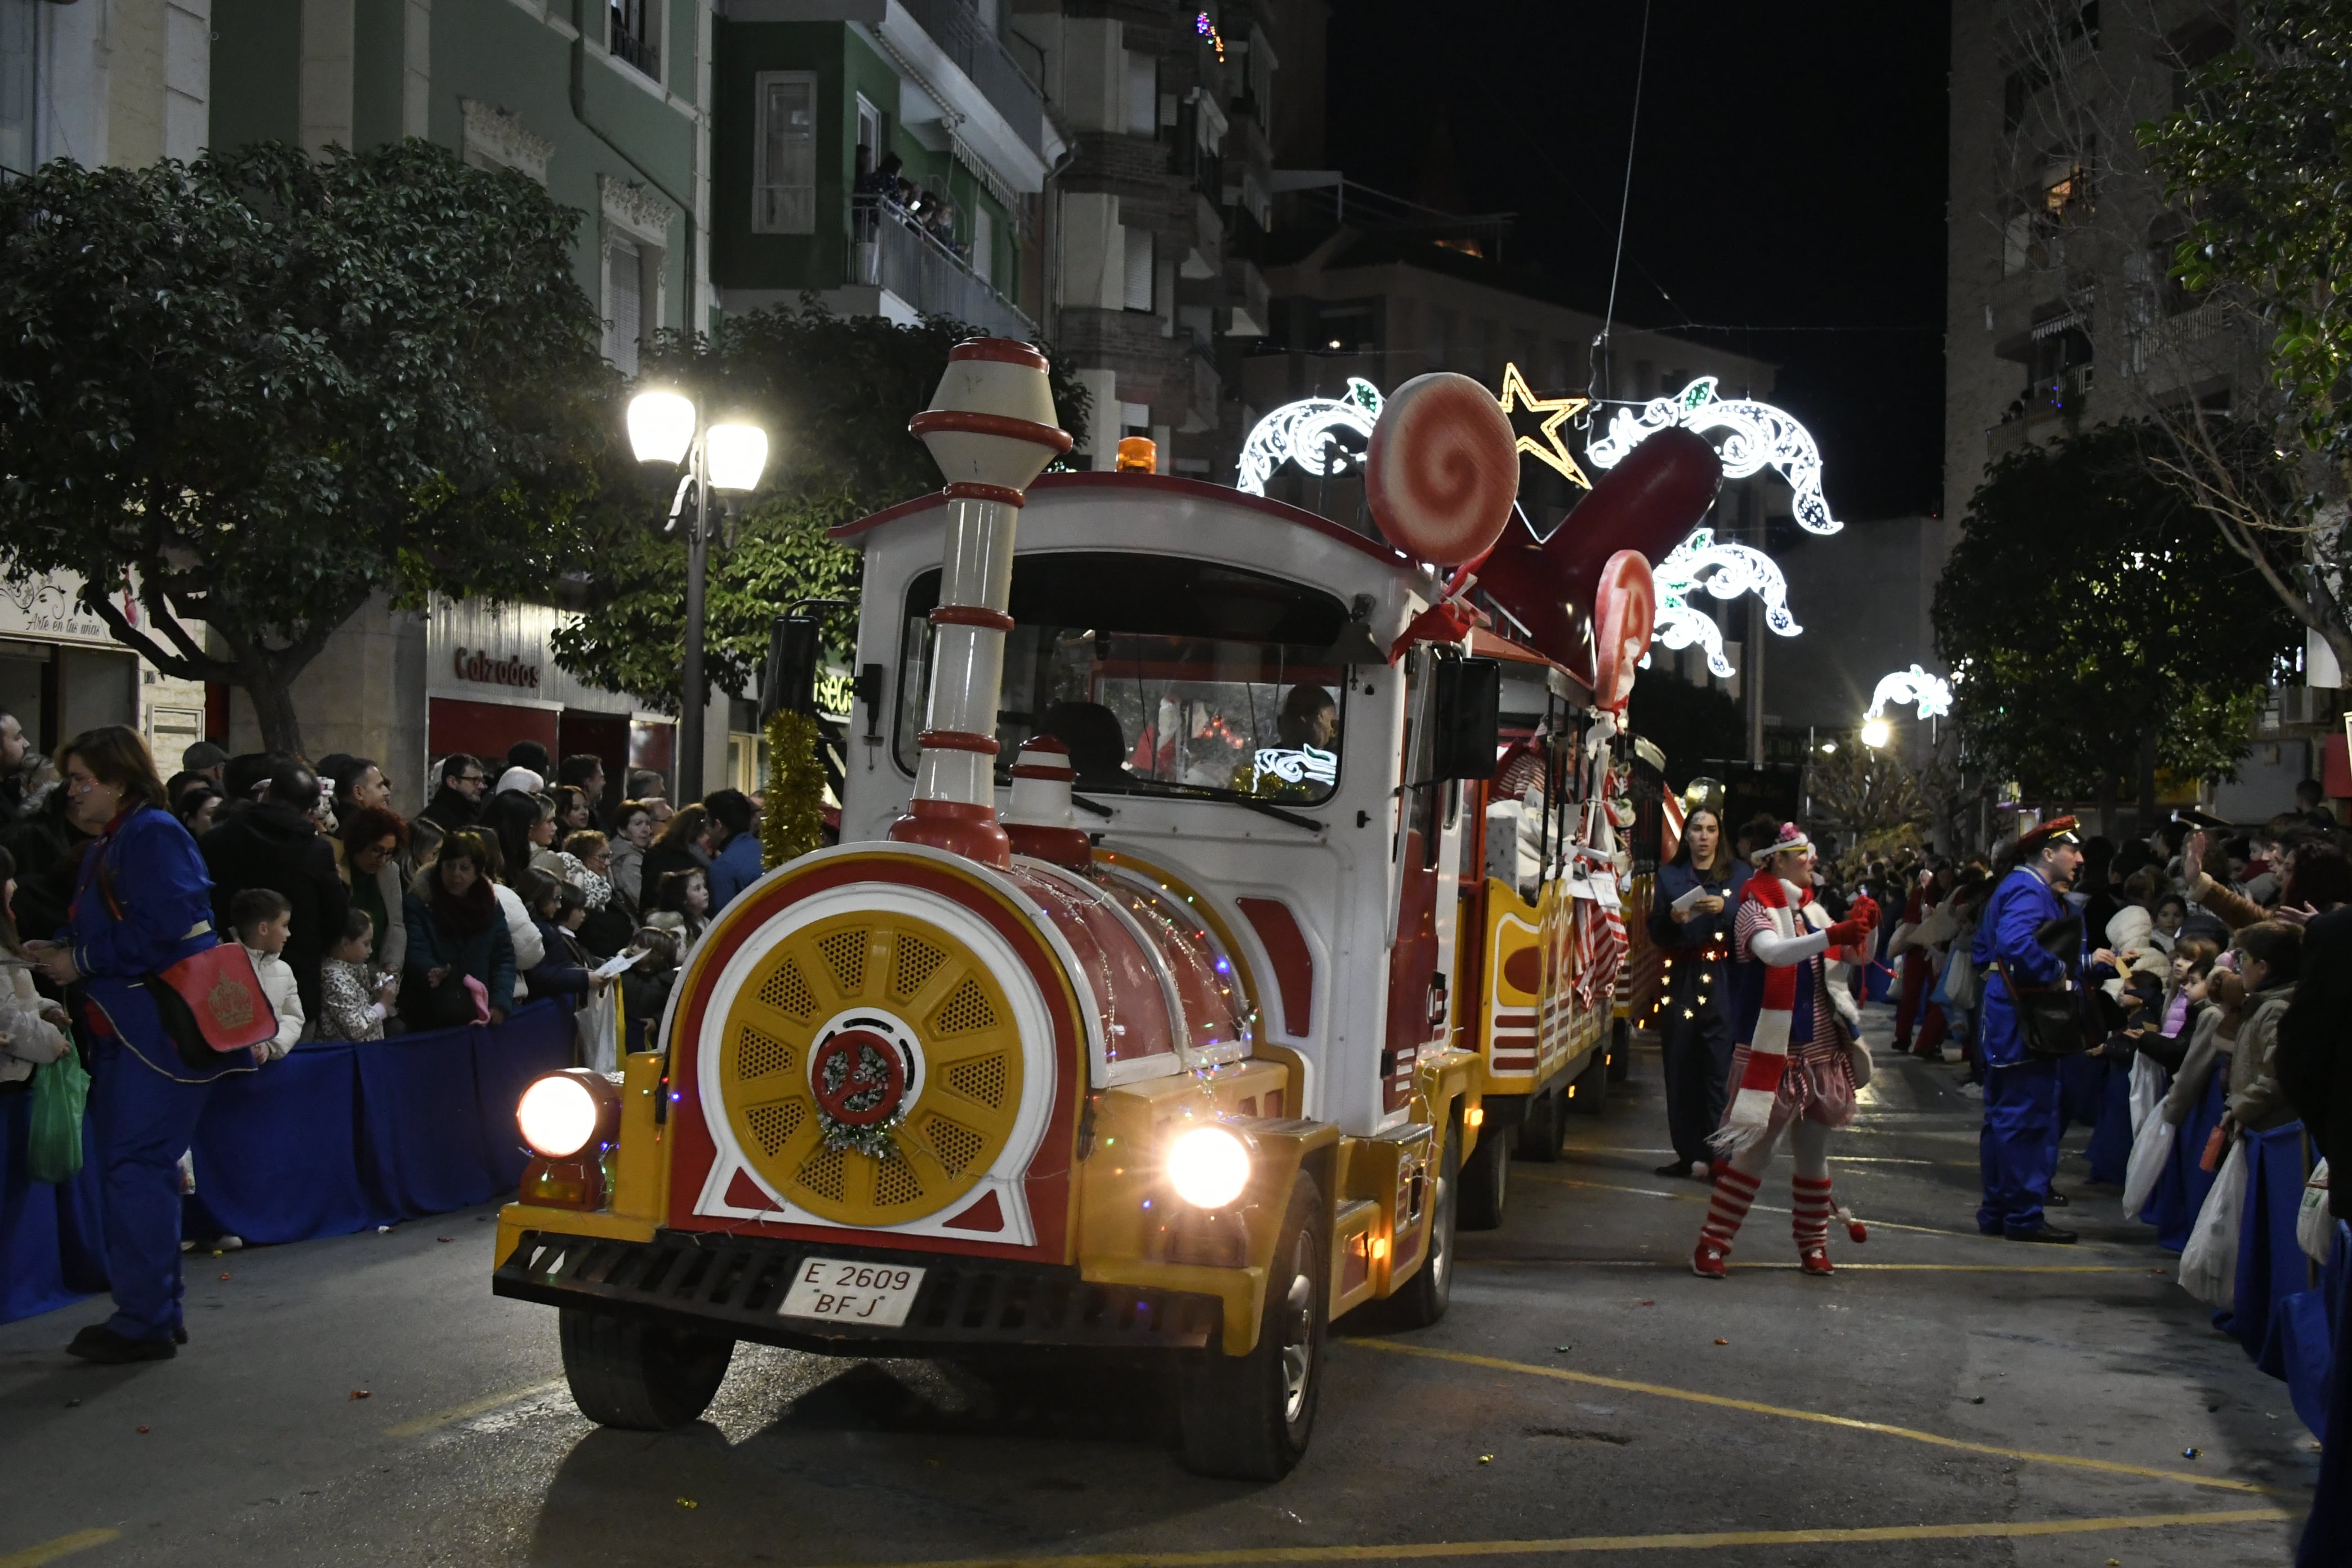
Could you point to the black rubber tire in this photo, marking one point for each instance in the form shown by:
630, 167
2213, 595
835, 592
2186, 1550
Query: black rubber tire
1424, 1297
1545, 1128
1244, 1416
1485, 1182
1592, 1090
628, 1373
1620, 1050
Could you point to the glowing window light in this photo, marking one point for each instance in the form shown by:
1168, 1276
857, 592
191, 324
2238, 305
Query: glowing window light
1931, 694
1725, 571
1752, 436
1307, 764
1324, 436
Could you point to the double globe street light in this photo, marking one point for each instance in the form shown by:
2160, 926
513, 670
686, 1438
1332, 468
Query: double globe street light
667, 427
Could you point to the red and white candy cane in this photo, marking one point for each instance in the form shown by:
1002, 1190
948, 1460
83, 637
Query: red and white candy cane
1443, 470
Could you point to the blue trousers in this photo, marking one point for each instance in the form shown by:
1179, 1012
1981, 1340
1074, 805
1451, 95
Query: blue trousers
2018, 1150
143, 1123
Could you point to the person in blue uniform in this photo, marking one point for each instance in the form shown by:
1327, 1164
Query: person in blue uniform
2018, 1150
141, 902
1694, 987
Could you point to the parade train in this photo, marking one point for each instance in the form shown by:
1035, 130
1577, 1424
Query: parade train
1195, 1027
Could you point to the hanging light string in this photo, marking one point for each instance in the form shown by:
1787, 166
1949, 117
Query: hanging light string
1624, 205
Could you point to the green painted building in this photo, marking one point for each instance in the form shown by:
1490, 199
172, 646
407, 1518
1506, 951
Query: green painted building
888, 156
600, 101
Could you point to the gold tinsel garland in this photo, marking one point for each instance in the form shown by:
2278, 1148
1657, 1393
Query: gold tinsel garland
792, 821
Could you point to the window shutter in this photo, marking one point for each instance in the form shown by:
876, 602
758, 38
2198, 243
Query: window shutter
1138, 269
624, 294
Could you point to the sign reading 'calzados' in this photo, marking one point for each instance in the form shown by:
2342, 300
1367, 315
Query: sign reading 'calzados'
474, 664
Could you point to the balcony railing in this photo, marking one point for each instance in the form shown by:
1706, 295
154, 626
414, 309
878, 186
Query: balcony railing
892, 250
981, 55
626, 33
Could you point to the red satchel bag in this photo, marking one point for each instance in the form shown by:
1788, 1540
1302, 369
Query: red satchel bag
211, 1003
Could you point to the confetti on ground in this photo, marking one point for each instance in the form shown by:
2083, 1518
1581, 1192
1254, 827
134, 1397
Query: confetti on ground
359, 1394
1723, 1342
687, 1502
142, 1430
1483, 1459
224, 1276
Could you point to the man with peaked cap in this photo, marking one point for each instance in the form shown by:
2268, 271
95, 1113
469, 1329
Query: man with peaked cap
2019, 1148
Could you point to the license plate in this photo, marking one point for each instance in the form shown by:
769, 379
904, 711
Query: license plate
873, 1295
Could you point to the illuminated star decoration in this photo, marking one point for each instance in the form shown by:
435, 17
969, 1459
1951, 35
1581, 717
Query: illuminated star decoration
1558, 411
1324, 436
1915, 685
1750, 437
1725, 571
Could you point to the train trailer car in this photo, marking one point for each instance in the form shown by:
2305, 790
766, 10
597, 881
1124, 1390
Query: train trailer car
1129, 1012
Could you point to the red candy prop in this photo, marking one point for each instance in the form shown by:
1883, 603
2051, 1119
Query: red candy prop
1625, 614
1443, 470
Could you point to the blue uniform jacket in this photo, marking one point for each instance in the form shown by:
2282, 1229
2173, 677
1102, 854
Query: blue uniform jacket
2018, 908
1683, 943
160, 911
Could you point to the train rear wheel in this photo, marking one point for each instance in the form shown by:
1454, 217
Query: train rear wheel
1486, 1181
1249, 1417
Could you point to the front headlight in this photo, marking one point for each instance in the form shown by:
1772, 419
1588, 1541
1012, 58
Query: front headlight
1208, 1167
564, 1112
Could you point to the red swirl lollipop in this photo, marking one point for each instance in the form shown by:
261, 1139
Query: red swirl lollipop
1443, 470
1625, 614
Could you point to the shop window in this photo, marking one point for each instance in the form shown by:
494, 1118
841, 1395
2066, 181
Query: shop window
783, 179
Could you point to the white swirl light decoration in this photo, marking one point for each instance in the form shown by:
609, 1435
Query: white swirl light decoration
1309, 433
1305, 765
1752, 436
1915, 685
1725, 571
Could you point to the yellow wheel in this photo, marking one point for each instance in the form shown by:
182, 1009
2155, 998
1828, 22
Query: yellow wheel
880, 1030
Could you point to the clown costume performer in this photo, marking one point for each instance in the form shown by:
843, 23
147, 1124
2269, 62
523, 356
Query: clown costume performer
1795, 1070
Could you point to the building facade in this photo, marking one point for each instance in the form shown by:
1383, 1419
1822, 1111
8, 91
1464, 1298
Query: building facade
2060, 310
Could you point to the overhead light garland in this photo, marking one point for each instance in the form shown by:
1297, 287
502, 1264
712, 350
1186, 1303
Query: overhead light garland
1324, 436
1725, 571
1931, 694
1750, 437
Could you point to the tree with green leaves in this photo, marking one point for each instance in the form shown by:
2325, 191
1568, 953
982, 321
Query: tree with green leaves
834, 393
254, 390
2259, 157
2099, 628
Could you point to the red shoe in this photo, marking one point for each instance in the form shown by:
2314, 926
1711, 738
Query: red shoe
1815, 1260
1707, 1261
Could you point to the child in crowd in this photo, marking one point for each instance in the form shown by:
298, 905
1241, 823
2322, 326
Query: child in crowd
262, 918
687, 895
353, 998
645, 987
558, 908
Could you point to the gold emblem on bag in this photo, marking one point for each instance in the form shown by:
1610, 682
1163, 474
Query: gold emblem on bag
231, 1005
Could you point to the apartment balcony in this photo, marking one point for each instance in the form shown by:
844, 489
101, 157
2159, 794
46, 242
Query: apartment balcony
952, 52
891, 251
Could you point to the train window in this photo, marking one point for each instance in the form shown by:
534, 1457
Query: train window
1162, 675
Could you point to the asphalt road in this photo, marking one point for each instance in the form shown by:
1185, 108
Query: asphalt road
1944, 1399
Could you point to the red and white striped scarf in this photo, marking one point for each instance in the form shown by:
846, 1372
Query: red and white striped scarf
1768, 1048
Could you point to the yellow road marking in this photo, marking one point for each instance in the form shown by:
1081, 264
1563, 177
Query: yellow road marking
1407, 1552
1724, 1402
63, 1546
1791, 1268
481, 1406
1700, 1196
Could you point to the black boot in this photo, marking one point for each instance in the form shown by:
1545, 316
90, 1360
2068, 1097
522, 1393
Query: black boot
2045, 1231
101, 1344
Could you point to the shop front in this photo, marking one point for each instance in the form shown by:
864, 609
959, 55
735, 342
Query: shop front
62, 672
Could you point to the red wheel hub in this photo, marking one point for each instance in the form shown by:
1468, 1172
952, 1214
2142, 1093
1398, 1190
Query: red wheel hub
859, 1077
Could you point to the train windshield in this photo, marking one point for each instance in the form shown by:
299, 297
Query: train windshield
1162, 675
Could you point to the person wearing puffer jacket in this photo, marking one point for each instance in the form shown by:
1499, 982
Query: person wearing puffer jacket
2269, 955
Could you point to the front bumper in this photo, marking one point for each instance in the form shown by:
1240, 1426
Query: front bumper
734, 1284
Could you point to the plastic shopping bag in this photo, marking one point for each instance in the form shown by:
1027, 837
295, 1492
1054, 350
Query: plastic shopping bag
2208, 1265
2151, 1151
598, 1026
2315, 1227
2149, 1080
60, 1091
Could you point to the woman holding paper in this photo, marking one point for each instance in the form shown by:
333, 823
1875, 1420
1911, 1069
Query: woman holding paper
1690, 922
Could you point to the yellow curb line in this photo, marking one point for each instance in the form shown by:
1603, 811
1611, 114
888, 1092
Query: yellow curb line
63, 1546
483, 1406
1421, 1551
1723, 1402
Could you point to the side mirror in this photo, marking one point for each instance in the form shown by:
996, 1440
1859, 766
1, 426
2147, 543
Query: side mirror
1469, 718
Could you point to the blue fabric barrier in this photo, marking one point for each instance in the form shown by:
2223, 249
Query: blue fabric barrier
332, 1140
274, 1155
2271, 1262
2180, 1191
2300, 1349
2327, 1534
2111, 1128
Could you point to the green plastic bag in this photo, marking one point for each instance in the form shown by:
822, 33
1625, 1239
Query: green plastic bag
61, 1089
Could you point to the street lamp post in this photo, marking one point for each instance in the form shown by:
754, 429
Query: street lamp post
668, 427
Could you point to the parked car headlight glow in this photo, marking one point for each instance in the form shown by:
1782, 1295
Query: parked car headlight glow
563, 1112
1208, 1167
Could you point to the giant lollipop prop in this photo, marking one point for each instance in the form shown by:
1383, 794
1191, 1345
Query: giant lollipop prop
1443, 470
1625, 614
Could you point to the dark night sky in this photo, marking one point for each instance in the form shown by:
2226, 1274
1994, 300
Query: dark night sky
1790, 173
